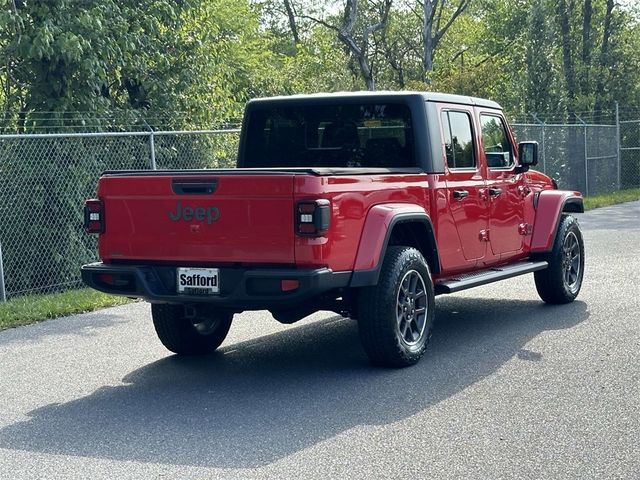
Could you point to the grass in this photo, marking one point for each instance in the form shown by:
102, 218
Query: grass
612, 198
34, 308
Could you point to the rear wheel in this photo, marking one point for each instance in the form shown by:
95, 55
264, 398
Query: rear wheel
395, 317
562, 280
190, 330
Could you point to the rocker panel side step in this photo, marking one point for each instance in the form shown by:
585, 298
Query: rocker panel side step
475, 279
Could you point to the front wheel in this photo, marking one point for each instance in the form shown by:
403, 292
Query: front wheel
561, 281
395, 317
190, 330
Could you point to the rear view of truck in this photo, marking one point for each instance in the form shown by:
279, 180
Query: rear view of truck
281, 232
203, 245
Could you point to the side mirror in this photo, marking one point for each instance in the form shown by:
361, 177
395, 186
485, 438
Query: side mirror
528, 155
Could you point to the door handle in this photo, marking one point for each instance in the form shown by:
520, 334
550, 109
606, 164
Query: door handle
190, 187
495, 192
460, 194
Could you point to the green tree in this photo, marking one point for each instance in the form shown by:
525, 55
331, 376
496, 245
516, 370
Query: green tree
540, 79
144, 57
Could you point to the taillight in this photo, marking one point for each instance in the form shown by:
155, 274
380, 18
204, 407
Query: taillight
94, 216
313, 217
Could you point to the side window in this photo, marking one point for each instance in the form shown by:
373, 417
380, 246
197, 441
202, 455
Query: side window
497, 148
458, 139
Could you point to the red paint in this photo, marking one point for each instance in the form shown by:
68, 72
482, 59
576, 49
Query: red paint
255, 221
351, 197
550, 204
378, 220
289, 285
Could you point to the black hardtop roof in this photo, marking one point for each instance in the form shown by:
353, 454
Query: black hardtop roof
386, 95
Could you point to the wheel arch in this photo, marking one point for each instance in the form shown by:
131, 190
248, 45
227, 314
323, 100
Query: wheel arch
393, 225
550, 205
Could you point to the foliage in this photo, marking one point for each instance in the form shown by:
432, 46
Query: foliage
318, 65
144, 56
206, 58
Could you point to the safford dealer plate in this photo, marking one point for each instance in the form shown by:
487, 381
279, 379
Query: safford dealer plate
198, 281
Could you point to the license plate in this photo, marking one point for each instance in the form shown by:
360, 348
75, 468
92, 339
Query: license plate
198, 281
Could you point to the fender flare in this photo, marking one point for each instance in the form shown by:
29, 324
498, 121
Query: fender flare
376, 234
549, 205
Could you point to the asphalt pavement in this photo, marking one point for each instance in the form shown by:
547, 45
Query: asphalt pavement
509, 388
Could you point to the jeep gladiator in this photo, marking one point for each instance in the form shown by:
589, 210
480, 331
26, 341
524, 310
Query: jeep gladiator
365, 204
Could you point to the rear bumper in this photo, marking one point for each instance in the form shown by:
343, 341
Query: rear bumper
240, 288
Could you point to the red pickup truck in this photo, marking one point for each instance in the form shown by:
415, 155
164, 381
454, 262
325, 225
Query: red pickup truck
365, 204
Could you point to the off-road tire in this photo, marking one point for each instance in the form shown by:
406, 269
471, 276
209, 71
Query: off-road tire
552, 283
181, 335
379, 310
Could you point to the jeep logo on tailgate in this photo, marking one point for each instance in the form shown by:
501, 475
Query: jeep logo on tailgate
199, 214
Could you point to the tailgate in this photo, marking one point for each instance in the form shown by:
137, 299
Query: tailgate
198, 218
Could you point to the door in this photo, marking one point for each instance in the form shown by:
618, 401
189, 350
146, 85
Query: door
505, 187
465, 182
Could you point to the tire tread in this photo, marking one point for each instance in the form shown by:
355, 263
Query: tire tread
549, 282
377, 330
178, 335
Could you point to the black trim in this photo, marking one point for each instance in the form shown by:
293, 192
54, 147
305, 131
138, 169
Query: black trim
472, 127
475, 279
414, 100
421, 140
364, 278
346, 97
319, 171
189, 186
240, 288
573, 204
434, 140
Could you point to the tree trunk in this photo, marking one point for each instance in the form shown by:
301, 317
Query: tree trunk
360, 56
586, 46
358, 46
292, 21
345, 35
567, 60
367, 74
539, 75
604, 58
427, 39
432, 33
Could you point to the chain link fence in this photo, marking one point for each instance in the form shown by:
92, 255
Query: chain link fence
44, 179
630, 153
579, 157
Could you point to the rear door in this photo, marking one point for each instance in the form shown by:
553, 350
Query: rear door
505, 187
196, 219
464, 180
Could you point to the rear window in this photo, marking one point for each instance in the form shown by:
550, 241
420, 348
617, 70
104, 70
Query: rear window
356, 135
